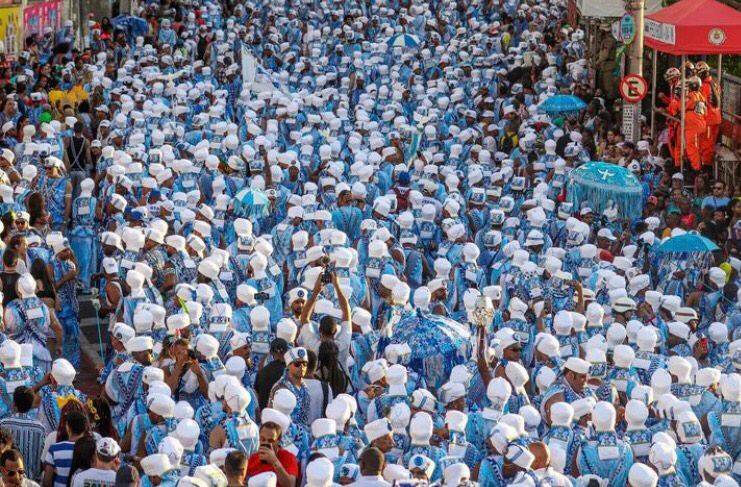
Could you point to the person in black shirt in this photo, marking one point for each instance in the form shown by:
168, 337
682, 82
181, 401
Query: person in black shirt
77, 157
271, 373
9, 276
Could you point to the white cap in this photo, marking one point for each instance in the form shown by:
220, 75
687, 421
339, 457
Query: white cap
319, 473
63, 372
265, 479
641, 475
575, 364
377, 429
156, 465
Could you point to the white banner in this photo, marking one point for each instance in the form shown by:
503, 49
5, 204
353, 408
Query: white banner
660, 31
249, 65
604, 9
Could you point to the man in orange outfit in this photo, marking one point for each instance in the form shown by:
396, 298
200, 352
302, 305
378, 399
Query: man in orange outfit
695, 127
711, 92
673, 105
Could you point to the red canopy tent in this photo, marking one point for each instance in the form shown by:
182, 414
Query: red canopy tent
694, 27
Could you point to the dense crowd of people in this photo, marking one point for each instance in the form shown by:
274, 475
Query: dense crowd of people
333, 242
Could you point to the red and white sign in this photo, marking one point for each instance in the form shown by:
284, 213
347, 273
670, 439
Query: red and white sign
633, 88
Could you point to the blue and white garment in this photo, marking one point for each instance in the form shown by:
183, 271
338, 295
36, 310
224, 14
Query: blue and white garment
122, 387
28, 322
242, 433
300, 413
640, 442
567, 440
491, 472
53, 399
83, 237
605, 456
69, 311
10, 379
434, 453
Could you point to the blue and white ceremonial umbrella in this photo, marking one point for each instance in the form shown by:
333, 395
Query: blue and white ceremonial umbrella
601, 185
438, 344
403, 40
251, 202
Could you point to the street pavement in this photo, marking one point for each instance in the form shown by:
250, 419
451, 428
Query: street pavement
91, 361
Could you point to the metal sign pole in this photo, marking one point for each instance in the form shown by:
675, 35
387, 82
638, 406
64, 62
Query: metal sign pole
653, 98
636, 56
681, 120
720, 107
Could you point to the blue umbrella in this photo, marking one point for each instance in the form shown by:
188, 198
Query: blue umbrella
249, 202
134, 26
438, 344
690, 242
403, 40
602, 185
562, 104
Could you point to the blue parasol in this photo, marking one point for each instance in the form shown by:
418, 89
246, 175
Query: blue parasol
438, 344
690, 242
562, 104
600, 185
251, 202
134, 26
403, 40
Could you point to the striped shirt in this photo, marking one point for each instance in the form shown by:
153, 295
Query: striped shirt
60, 456
28, 435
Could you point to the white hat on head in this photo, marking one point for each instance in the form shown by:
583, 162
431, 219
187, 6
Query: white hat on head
661, 382
139, 344
10, 354
63, 372
270, 415
153, 374
718, 332
681, 368
562, 414
237, 397
422, 462
707, 376
498, 392
663, 456
519, 455
623, 356
156, 465
319, 473
187, 431
604, 416
501, 435
26, 285
265, 479
517, 375
575, 364
161, 404
451, 391
421, 428
171, 447
456, 474
212, 475
717, 276
636, 414
295, 354
377, 429
641, 475
583, 406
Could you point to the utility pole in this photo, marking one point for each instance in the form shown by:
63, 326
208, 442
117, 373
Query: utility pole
632, 111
